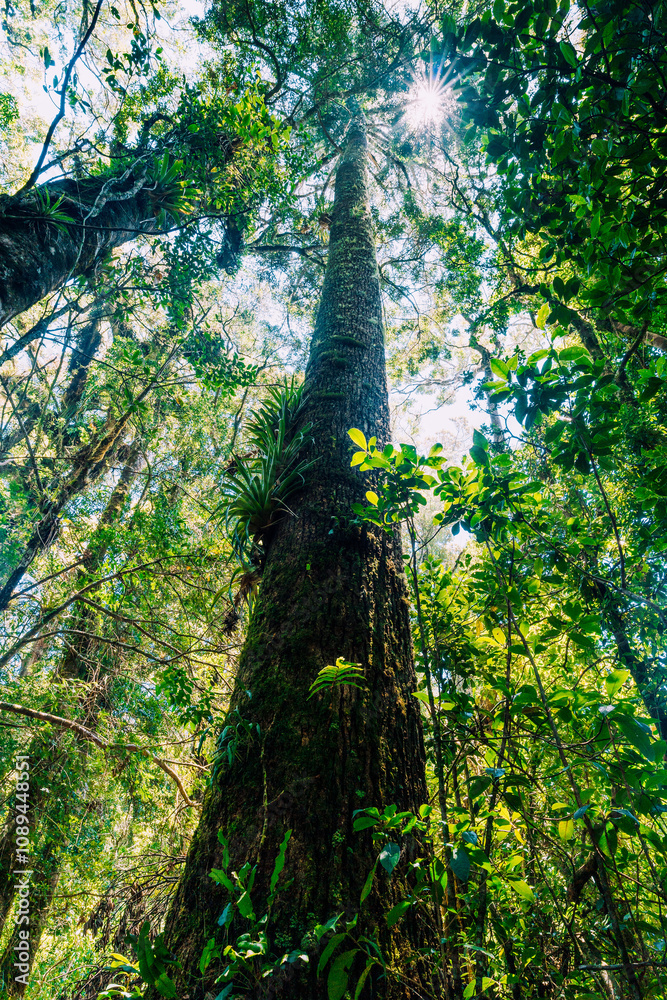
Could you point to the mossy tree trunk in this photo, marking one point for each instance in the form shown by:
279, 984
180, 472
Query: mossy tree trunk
39, 256
330, 588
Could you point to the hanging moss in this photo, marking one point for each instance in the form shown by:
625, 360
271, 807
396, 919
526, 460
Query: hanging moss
349, 341
335, 359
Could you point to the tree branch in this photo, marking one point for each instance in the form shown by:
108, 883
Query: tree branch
63, 99
88, 734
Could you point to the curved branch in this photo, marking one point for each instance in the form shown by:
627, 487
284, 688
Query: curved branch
63, 99
54, 612
88, 734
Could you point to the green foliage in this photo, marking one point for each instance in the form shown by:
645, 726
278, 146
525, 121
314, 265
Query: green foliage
50, 210
249, 960
153, 964
406, 479
342, 672
8, 111
259, 485
562, 101
236, 737
542, 665
360, 951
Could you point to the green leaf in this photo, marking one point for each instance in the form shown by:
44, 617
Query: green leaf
479, 455
372, 497
566, 829
165, 986
636, 734
328, 951
339, 974
280, 862
222, 878
362, 980
499, 368
469, 990
569, 53
574, 353
333, 675
615, 681
147, 964
359, 438
364, 823
460, 864
523, 889
397, 912
226, 993
478, 785
368, 884
245, 906
210, 951
541, 318
652, 387
321, 929
480, 440
389, 857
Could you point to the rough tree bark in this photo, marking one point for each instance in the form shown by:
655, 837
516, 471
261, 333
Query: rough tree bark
331, 588
38, 256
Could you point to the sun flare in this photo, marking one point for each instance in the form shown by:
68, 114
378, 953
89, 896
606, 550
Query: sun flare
426, 100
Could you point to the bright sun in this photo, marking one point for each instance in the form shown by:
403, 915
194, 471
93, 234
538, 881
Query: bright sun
427, 97
427, 102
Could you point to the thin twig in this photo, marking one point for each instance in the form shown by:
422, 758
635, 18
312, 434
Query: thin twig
63, 99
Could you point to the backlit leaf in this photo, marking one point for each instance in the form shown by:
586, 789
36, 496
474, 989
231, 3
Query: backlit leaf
359, 438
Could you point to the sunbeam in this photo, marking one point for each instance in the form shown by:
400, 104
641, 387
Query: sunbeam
428, 96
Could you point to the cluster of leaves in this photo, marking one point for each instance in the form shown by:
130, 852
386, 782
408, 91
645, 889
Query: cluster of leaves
249, 959
543, 655
563, 100
257, 486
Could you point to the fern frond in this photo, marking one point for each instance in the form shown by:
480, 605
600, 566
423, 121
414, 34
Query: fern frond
342, 672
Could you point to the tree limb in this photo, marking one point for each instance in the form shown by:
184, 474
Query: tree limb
63, 99
88, 734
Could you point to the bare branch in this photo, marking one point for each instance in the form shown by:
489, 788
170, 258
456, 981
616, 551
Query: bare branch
63, 100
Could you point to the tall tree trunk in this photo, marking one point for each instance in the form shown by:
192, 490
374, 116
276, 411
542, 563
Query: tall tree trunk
331, 588
39, 254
